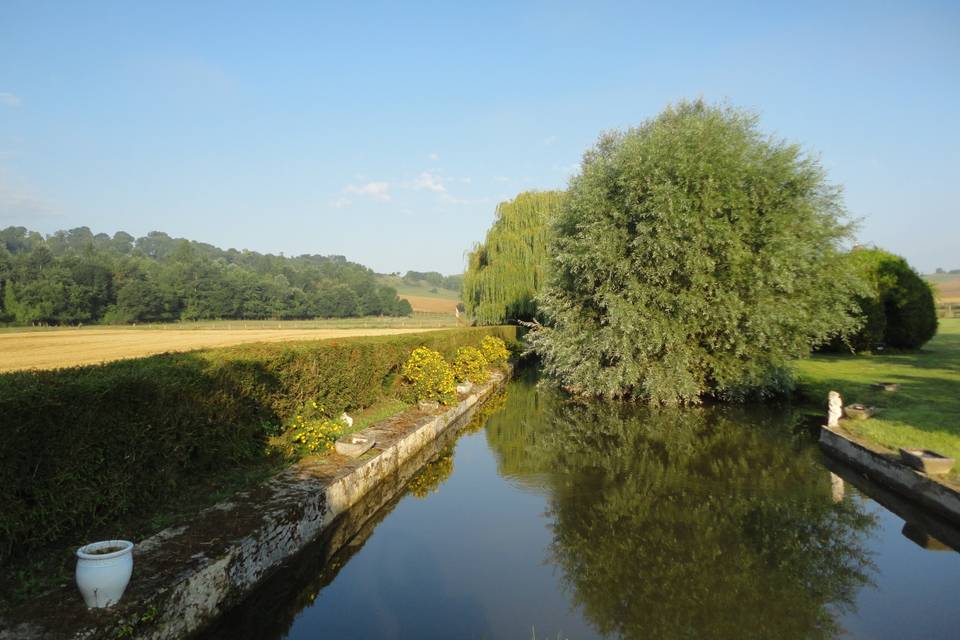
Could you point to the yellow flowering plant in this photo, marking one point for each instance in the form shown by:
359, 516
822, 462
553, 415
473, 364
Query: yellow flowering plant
470, 365
430, 376
312, 430
494, 349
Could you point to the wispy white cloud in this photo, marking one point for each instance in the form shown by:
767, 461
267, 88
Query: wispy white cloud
376, 190
9, 99
501, 178
18, 200
341, 203
549, 140
433, 155
427, 181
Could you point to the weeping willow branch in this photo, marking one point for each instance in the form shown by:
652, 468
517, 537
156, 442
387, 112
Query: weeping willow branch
506, 271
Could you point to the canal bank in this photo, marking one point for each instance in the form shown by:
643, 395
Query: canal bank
185, 576
884, 467
560, 517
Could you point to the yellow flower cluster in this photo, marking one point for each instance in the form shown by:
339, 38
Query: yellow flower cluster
494, 349
315, 435
469, 364
312, 430
430, 376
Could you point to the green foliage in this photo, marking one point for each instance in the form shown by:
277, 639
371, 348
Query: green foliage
898, 310
494, 349
430, 376
470, 365
312, 430
908, 305
506, 272
693, 256
82, 447
434, 279
74, 277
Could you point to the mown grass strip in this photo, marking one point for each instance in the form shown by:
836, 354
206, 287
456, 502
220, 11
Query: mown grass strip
924, 412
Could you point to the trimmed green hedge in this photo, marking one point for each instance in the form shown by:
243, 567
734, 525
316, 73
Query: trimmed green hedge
899, 312
81, 447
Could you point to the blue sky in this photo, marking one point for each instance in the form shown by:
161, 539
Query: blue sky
387, 132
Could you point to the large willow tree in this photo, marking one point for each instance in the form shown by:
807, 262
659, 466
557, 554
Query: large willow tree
693, 257
506, 271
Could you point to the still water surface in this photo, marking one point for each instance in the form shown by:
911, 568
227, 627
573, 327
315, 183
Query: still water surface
560, 519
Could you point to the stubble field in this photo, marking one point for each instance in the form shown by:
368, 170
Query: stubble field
69, 346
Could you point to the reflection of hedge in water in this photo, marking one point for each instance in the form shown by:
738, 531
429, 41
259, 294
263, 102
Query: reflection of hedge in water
695, 523
493, 404
439, 470
432, 475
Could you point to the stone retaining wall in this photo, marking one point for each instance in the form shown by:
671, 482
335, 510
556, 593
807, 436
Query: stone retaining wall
887, 470
185, 577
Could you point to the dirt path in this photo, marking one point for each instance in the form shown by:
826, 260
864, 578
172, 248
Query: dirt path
71, 347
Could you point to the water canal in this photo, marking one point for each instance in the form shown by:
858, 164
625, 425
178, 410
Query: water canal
559, 519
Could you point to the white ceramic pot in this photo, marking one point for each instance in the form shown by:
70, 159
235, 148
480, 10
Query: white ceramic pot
102, 577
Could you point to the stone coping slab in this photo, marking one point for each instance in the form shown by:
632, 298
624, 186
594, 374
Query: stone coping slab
185, 576
896, 503
887, 469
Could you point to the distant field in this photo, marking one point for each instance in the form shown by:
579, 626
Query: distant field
947, 286
431, 305
65, 347
420, 290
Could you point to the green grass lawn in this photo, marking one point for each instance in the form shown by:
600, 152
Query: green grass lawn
925, 412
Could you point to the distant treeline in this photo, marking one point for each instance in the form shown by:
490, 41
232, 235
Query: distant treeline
434, 278
74, 276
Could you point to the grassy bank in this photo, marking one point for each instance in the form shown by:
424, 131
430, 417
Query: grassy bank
85, 447
925, 412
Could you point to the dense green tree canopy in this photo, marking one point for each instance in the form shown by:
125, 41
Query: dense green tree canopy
506, 271
693, 256
898, 309
435, 279
75, 276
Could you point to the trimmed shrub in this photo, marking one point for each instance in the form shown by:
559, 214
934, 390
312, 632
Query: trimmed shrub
494, 349
899, 311
430, 376
81, 447
908, 304
470, 365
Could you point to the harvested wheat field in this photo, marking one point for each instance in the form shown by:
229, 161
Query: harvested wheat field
948, 289
71, 347
431, 305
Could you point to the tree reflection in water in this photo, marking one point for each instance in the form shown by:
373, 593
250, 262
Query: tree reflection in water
708, 522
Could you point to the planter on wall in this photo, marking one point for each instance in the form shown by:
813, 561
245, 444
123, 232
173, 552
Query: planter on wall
859, 411
930, 462
103, 571
353, 445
